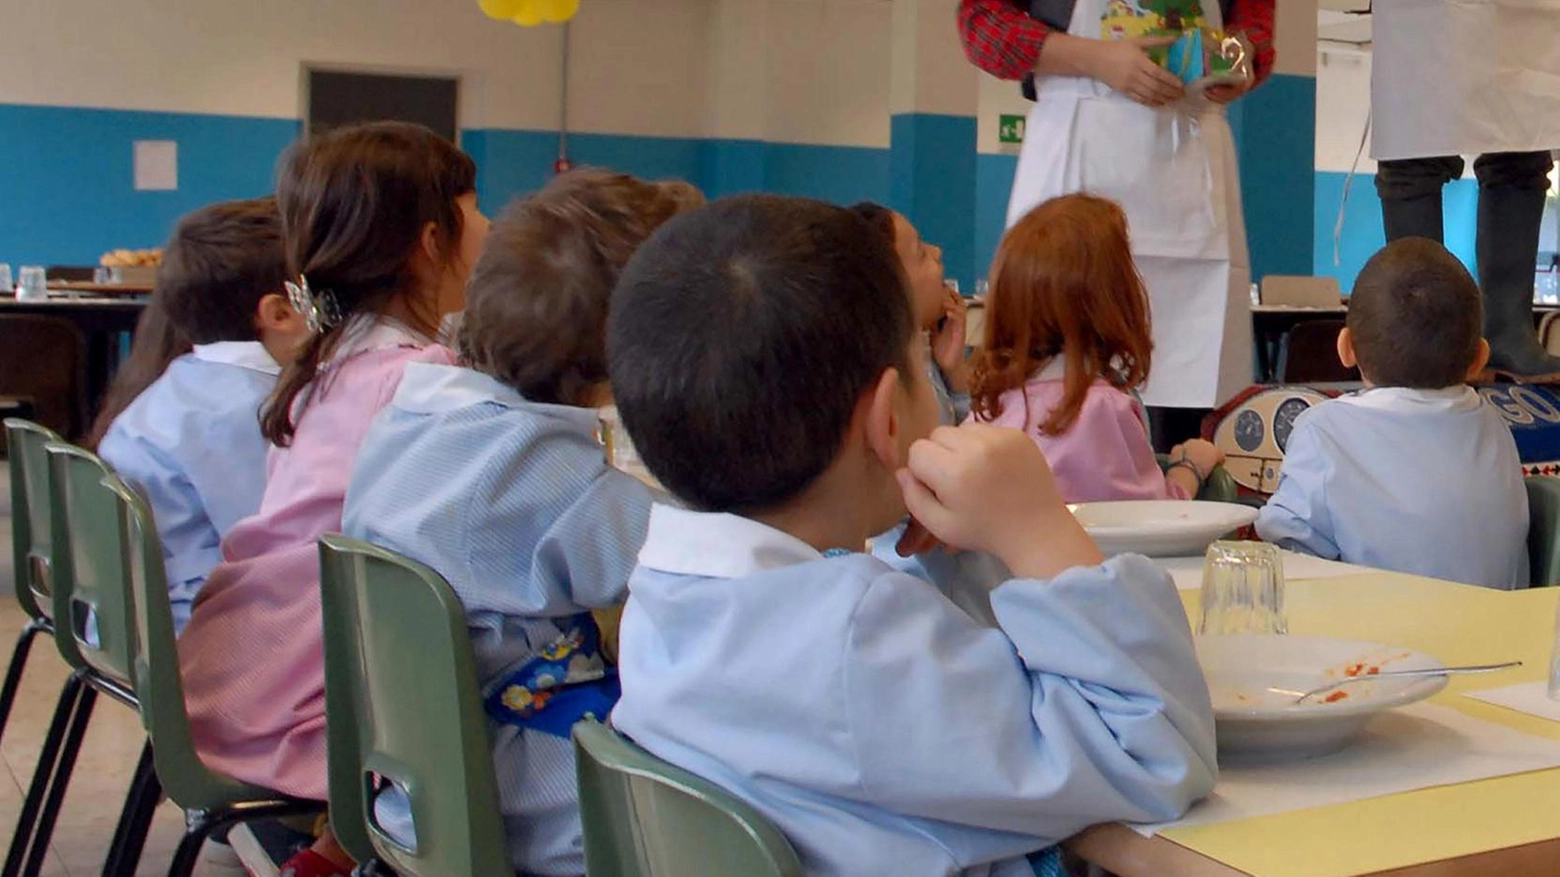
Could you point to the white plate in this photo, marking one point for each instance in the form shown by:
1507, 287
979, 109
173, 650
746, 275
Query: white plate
1160, 528
1255, 678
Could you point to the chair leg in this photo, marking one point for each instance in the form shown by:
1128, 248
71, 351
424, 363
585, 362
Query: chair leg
44, 832
64, 711
13, 674
198, 826
135, 820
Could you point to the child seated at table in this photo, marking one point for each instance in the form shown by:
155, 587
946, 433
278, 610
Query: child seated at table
940, 312
1416, 473
1067, 344
490, 471
183, 423
767, 366
380, 221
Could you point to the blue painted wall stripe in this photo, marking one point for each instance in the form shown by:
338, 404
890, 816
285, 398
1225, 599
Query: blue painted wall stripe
932, 177
67, 180
1362, 231
67, 176
1275, 141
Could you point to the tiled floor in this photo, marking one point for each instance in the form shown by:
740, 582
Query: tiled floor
108, 756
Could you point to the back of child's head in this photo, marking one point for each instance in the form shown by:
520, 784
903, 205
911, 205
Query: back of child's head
743, 335
1415, 317
536, 309
1064, 285
356, 203
218, 265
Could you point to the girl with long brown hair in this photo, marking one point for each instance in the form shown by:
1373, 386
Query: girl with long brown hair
381, 228
1068, 342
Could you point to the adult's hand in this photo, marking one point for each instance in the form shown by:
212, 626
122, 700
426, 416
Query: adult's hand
1124, 65
1223, 94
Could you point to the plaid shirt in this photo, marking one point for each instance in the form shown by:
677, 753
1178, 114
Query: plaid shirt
1001, 39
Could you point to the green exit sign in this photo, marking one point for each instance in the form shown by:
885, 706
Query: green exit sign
1010, 129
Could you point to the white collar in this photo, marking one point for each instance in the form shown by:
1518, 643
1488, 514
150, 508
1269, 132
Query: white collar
1404, 400
244, 354
717, 545
375, 332
436, 388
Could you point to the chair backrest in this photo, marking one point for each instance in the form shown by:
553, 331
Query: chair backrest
1547, 336
645, 818
1544, 528
41, 359
155, 670
1311, 355
32, 545
402, 703
1301, 292
91, 580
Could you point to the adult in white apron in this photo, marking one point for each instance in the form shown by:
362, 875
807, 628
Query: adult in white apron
1173, 170
1451, 78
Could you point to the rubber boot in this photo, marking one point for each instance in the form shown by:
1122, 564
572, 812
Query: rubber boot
1509, 221
1418, 217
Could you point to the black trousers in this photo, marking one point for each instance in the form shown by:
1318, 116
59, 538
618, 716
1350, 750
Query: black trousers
1421, 180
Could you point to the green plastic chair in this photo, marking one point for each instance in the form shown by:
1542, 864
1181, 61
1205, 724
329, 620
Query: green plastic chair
402, 705
211, 801
1220, 486
31, 548
89, 587
645, 818
1543, 540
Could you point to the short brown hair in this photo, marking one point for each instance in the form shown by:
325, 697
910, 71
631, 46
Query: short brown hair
536, 308
743, 335
220, 262
1415, 317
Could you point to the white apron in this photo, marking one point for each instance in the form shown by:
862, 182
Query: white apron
1464, 77
1173, 171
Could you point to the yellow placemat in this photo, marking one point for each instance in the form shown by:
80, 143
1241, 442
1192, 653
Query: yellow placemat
1457, 624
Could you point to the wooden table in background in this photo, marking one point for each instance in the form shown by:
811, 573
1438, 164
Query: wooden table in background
1507, 826
103, 321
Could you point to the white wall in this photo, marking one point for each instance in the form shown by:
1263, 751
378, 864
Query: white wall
637, 63
1342, 106
793, 71
829, 67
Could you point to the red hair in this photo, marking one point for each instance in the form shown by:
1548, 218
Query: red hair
1064, 284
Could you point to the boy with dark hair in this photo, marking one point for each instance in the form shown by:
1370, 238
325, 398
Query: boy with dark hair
1415, 473
766, 365
489, 470
190, 440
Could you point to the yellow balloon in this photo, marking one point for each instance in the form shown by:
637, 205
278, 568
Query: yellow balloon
558, 11
528, 13
500, 9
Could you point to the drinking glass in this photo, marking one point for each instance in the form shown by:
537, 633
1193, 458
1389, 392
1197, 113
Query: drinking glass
32, 283
1242, 589
6, 283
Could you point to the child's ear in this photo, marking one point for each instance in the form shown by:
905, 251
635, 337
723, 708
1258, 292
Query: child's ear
1480, 360
1346, 348
275, 313
882, 424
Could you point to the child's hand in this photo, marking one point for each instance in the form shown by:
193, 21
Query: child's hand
1202, 454
989, 488
948, 342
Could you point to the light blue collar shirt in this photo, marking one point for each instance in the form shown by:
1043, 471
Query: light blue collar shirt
885, 730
